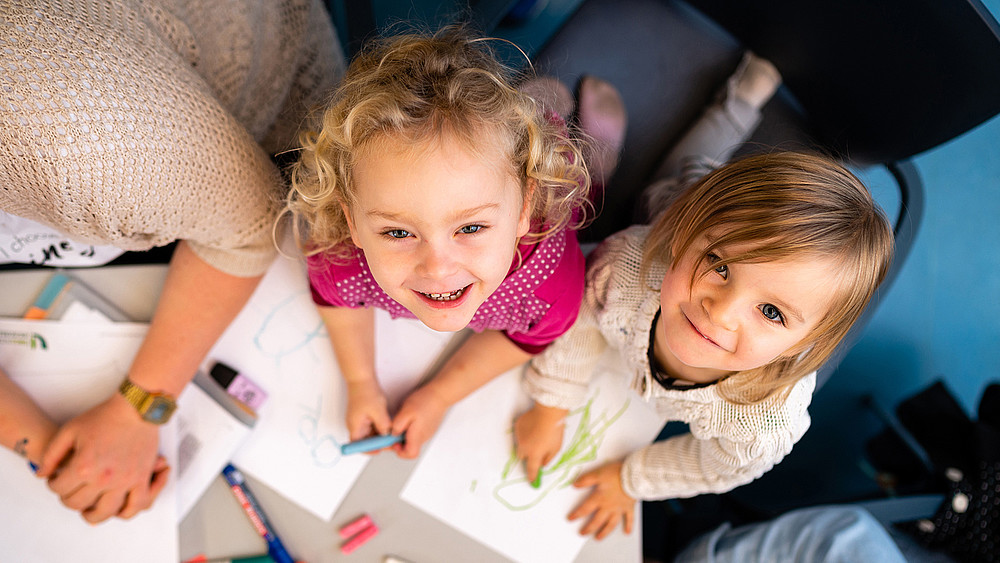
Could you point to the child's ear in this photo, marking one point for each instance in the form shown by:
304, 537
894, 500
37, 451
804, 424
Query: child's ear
524, 222
350, 225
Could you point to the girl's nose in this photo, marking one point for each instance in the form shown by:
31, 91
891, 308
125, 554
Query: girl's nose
436, 261
723, 309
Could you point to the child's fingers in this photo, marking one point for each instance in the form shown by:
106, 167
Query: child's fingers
588, 479
381, 421
531, 466
607, 524
588, 506
629, 517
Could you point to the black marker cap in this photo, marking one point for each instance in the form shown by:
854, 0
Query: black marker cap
223, 374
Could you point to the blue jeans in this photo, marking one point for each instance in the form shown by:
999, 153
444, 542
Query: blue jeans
827, 533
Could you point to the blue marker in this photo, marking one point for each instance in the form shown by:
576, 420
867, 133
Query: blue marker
249, 503
370, 444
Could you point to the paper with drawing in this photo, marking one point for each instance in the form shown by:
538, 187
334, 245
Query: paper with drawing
280, 343
467, 476
67, 369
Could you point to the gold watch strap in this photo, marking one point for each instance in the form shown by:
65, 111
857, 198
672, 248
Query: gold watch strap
134, 394
152, 407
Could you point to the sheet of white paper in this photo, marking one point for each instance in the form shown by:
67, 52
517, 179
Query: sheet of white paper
467, 477
280, 343
68, 369
208, 436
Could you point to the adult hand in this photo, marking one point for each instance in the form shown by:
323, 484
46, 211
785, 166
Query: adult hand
107, 462
419, 417
607, 504
538, 436
367, 413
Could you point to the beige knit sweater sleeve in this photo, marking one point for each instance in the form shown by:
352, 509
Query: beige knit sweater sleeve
729, 445
116, 127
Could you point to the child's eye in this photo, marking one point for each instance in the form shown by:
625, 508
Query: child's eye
397, 233
721, 270
772, 313
470, 229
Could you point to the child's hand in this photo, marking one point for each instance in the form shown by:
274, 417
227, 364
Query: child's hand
367, 413
538, 436
607, 504
419, 417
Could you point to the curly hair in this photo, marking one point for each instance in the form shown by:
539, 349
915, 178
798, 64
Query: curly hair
781, 205
412, 88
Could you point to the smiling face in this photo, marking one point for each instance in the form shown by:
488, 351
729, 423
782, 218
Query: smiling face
740, 316
439, 225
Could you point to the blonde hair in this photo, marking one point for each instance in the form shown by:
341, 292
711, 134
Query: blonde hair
783, 204
413, 88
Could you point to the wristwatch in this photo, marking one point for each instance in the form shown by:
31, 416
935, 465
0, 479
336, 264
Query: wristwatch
152, 407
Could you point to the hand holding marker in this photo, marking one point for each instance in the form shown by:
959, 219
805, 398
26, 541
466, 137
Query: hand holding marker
371, 444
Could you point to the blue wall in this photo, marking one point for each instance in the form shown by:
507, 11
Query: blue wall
942, 317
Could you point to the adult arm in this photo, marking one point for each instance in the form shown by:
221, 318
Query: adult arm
107, 455
24, 428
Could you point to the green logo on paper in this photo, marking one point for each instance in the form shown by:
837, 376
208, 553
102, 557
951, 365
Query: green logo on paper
32, 340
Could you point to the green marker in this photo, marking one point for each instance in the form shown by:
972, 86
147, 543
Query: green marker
538, 480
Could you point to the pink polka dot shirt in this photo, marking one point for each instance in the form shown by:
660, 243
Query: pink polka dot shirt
533, 306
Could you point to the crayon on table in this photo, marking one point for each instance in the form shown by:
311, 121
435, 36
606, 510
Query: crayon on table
359, 539
538, 480
250, 505
356, 526
370, 444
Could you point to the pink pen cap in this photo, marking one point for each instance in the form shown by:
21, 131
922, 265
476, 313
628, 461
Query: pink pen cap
239, 386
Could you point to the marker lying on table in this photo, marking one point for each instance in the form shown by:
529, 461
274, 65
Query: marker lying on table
371, 444
249, 503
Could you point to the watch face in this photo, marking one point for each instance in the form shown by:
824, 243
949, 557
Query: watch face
159, 410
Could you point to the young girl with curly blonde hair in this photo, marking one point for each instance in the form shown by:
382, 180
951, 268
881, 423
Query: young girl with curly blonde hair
435, 189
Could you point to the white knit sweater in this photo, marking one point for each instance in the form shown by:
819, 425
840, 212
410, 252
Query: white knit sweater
138, 122
729, 444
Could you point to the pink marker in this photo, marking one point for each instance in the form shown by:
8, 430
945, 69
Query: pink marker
359, 539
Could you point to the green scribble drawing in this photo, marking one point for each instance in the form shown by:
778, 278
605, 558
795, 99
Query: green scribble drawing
518, 494
475, 482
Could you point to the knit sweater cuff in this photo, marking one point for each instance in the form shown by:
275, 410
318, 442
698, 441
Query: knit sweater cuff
553, 392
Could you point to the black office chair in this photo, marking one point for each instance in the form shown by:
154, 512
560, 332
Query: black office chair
872, 82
